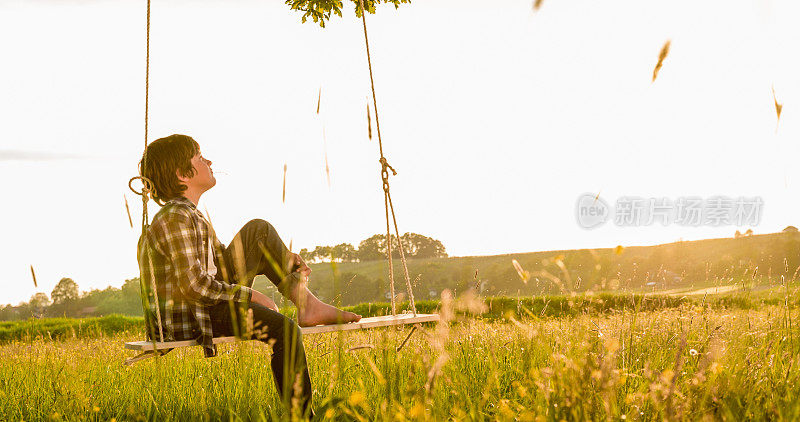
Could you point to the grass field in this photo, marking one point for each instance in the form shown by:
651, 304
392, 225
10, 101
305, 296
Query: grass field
692, 361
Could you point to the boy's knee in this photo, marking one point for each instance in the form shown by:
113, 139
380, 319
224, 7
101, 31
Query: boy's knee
259, 225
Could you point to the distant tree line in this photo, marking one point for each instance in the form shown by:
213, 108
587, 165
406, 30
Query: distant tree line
768, 259
374, 248
67, 301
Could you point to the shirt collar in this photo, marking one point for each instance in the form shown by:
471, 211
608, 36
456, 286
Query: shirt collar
182, 200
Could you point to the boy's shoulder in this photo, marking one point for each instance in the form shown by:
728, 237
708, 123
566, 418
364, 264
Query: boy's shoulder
173, 210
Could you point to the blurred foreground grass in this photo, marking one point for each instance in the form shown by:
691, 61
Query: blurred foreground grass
694, 360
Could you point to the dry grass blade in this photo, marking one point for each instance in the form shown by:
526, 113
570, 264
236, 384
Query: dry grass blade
537, 4
524, 275
319, 98
778, 108
33, 274
369, 122
661, 56
365, 346
327, 167
283, 197
128, 210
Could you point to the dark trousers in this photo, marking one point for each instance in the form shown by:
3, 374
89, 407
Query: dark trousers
257, 249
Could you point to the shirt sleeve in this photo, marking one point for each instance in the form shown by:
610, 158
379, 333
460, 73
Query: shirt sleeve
176, 238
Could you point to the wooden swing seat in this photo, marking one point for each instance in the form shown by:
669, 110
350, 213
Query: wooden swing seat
151, 349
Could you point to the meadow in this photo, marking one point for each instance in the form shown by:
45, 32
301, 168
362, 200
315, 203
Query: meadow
613, 357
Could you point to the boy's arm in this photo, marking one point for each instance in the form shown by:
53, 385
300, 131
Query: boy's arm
177, 239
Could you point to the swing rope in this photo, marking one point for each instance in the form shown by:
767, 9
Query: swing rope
147, 187
387, 197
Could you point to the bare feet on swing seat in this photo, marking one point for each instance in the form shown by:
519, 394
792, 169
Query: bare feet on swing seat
320, 313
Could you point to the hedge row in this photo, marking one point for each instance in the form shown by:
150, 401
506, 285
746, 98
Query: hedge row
497, 308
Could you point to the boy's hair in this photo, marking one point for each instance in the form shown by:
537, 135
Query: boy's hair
164, 157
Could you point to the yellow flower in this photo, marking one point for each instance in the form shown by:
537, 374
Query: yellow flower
95, 409
329, 413
505, 410
356, 398
667, 375
417, 411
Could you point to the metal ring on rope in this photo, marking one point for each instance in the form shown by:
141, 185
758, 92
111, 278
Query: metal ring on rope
147, 186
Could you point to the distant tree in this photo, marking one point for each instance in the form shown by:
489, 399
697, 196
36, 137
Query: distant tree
8, 313
749, 232
321, 254
38, 304
414, 246
65, 291
374, 248
737, 235
790, 229
304, 254
419, 246
344, 252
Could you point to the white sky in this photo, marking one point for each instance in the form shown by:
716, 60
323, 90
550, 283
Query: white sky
496, 118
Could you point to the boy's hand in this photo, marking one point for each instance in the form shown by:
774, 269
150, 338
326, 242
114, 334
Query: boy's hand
303, 267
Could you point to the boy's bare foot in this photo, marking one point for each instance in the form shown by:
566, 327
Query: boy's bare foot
320, 313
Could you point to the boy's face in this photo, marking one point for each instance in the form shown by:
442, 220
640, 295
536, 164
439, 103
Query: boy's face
203, 178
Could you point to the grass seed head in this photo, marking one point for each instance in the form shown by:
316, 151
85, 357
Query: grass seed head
661, 56
778, 108
128, 210
524, 275
283, 197
369, 122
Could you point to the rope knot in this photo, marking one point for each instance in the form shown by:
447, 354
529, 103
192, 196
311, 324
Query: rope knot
385, 165
148, 190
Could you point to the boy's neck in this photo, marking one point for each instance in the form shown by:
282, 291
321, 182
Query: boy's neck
192, 196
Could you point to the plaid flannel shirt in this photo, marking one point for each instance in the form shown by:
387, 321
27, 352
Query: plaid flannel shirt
173, 252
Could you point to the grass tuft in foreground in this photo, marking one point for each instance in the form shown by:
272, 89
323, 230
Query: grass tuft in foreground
689, 362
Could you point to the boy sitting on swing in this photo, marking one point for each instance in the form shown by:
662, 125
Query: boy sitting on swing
204, 289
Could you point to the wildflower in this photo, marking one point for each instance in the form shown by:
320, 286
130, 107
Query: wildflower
329, 413
356, 398
693, 352
417, 411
